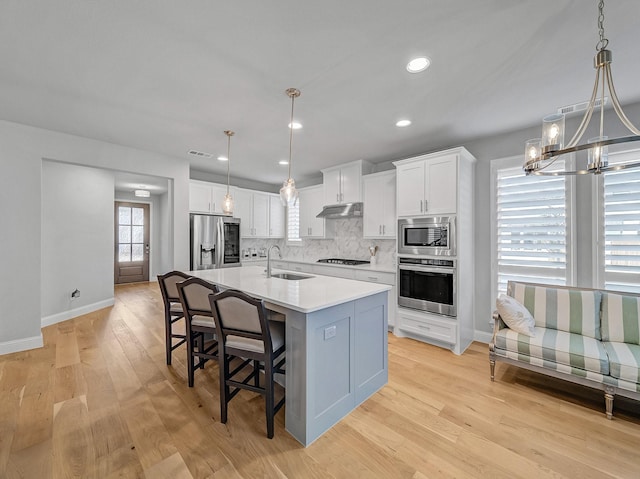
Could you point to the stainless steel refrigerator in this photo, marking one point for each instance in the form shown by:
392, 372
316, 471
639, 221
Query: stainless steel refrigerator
215, 241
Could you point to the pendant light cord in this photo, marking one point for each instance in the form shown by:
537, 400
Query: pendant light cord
229, 134
291, 136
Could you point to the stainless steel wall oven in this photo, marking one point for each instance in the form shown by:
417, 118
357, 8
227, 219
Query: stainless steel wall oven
431, 235
427, 284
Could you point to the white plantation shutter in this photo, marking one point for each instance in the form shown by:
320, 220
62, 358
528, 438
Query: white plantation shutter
293, 223
532, 228
620, 227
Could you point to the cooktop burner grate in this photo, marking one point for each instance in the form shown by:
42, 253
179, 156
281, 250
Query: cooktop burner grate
348, 262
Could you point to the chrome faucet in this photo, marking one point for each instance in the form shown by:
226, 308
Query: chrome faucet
269, 258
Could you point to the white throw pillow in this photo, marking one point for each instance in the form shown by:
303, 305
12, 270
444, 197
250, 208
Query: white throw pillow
515, 315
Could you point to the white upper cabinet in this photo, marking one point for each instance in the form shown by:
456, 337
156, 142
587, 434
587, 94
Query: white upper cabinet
342, 184
261, 214
206, 197
427, 185
379, 195
276, 217
311, 202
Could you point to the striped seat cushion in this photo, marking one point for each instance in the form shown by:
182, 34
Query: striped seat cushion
553, 346
571, 310
620, 318
624, 361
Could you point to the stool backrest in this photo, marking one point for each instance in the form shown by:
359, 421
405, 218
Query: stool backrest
238, 314
168, 285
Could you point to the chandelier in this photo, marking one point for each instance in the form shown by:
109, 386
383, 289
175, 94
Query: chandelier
227, 203
541, 153
288, 192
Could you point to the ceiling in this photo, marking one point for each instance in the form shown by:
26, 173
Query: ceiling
170, 76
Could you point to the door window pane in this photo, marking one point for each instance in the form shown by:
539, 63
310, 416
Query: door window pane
137, 235
124, 215
137, 252
138, 216
124, 253
124, 235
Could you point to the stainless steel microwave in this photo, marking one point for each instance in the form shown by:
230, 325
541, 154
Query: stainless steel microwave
429, 235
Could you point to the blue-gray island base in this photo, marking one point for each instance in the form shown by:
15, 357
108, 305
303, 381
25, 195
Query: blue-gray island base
336, 355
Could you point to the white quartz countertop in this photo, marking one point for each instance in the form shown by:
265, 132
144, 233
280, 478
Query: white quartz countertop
306, 295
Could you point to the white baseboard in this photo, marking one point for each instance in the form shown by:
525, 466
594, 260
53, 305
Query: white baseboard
23, 344
482, 336
72, 313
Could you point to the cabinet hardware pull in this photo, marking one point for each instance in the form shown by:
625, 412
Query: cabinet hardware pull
337, 198
380, 229
372, 278
420, 206
425, 206
383, 229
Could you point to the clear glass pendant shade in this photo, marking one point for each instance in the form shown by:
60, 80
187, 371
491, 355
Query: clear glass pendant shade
227, 204
289, 193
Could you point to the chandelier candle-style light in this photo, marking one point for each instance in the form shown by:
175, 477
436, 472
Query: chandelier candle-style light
288, 192
541, 153
227, 203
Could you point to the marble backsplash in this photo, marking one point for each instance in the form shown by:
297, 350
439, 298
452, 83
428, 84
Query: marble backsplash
347, 242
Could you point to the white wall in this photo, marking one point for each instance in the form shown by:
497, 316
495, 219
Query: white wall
77, 240
21, 157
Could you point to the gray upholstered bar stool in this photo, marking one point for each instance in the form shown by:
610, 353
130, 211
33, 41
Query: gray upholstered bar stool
172, 309
245, 332
194, 296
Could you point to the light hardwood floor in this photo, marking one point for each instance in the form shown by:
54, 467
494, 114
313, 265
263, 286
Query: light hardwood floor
99, 401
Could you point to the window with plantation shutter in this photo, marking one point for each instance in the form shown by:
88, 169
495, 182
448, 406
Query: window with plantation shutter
293, 223
619, 226
532, 240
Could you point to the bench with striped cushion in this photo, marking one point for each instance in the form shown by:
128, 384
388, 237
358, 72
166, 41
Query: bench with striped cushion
590, 337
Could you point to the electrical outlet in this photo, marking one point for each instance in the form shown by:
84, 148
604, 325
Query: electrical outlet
330, 332
75, 294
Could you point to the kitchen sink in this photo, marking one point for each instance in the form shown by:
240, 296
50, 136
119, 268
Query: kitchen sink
290, 276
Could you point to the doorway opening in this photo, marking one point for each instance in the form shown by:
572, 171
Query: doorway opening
131, 256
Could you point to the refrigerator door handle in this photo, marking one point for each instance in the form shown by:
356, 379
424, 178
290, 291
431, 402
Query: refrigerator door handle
220, 244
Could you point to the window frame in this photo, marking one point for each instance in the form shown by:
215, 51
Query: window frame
598, 236
570, 204
296, 241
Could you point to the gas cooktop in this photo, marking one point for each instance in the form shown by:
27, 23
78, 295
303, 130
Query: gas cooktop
348, 262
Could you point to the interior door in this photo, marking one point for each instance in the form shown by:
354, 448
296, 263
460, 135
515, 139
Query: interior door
131, 242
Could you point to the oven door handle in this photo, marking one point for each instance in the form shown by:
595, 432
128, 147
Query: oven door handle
428, 269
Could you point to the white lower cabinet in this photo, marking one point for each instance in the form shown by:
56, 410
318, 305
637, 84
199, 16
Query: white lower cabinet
428, 325
333, 271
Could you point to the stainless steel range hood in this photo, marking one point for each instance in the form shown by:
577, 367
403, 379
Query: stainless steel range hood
347, 210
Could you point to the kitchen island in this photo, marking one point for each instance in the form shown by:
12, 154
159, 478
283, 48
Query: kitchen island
336, 342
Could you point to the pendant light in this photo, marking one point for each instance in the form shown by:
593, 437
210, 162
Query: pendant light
541, 153
288, 192
227, 203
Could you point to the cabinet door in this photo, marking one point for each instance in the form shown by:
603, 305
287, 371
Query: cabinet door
276, 217
243, 208
332, 187
373, 207
441, 185
218, 193
199, 198
410, 186
388, 197
350, 184
311, 202
260, 215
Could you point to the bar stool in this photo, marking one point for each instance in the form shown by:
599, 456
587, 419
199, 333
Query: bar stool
172, 309
245, 332
194, 296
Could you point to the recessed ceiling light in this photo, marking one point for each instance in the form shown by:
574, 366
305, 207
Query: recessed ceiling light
418, 65
223, 158
142, 193
295, 125
283, 162
403, 123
